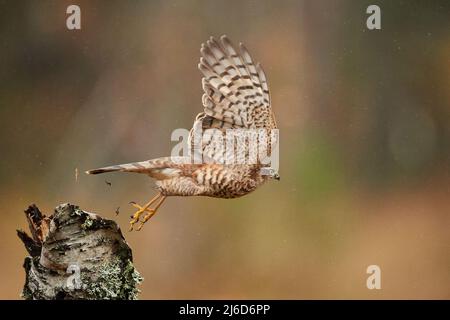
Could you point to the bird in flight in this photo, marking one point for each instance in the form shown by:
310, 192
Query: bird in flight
236, 96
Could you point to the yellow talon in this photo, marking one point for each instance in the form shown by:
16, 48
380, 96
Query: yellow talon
141, 209
136, 216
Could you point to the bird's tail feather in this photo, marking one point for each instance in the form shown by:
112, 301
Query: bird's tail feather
142, 166
154, 167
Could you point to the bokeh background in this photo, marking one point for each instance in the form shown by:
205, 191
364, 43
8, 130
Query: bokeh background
364, 118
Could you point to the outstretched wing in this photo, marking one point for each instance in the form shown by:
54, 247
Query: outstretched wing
236, 94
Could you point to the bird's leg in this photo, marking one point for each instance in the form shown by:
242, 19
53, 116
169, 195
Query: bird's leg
151, 212
142, 209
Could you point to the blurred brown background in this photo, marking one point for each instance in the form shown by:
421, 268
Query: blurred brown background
364, 118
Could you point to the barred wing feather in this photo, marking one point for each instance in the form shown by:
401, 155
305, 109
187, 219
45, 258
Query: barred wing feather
236, 94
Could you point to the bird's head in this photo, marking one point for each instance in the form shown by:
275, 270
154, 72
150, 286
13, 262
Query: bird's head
271, 173
276, 176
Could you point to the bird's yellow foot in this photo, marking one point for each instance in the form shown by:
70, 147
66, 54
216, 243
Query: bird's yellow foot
146, 208
136, 216
150, 214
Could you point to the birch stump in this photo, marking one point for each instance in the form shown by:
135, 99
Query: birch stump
74, 254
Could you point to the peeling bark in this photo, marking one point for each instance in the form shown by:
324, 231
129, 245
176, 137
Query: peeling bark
75, 254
